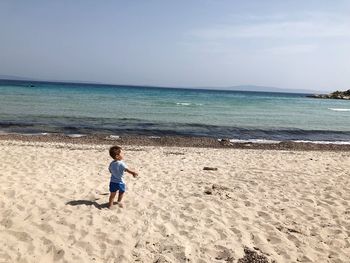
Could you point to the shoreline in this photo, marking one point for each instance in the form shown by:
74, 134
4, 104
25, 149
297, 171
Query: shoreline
173, 141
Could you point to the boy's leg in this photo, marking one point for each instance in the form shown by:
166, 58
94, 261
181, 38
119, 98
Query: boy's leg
121, 188
120, 198
111, 199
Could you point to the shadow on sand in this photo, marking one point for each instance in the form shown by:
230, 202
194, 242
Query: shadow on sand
87, 202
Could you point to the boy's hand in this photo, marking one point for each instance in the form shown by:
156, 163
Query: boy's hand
135, 175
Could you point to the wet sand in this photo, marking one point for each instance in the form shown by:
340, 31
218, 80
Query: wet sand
173, 141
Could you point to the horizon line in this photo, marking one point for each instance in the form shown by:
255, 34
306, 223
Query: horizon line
260, 88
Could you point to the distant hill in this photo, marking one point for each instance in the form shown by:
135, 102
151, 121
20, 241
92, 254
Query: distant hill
16, 78
9, 77
269, 89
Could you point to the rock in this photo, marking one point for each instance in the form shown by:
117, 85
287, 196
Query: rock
210, 168
208, 192
112, 137
225, 142
341, 95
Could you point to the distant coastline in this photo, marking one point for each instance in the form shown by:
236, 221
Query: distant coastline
338, 95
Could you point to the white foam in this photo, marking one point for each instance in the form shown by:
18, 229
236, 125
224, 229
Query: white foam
154, 137
183, 103
260, 141
325, 142
25, 134
338, 109
76, 135
188, 104
254, 141
34, 134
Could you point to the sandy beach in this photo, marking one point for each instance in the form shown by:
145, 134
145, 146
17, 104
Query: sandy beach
271, 205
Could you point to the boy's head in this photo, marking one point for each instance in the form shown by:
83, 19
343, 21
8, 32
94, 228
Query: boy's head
116, 152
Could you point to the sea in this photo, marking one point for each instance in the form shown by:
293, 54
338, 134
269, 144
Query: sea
28, 107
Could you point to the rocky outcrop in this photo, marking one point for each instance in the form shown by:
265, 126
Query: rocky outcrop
341, 95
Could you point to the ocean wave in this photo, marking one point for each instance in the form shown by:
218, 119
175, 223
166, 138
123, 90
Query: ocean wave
37, 134
82, 126
76, 135
188, 104
261, 141
338, 109
25, 134
325, 142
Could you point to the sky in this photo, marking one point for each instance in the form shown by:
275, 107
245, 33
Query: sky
291, 44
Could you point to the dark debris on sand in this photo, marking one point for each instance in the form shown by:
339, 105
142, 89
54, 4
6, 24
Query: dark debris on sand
210, 168
219, 190
251, 256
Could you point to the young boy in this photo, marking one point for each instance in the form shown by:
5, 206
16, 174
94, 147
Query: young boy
117, 168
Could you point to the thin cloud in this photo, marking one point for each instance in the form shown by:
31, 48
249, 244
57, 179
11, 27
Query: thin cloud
310, 27
291, 49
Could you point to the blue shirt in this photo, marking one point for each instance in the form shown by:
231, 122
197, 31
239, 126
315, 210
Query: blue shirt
117, 168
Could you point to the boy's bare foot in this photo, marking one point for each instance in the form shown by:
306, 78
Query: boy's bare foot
120, 205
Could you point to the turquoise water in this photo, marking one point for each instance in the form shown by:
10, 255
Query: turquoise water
78, 108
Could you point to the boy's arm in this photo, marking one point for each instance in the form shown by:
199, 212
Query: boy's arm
131, 172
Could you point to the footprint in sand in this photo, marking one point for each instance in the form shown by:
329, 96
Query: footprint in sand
6, 222
264, 215
52, 255
21, 236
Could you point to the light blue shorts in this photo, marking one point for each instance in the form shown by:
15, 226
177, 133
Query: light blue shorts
114, 187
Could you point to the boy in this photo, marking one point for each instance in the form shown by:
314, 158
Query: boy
117, 168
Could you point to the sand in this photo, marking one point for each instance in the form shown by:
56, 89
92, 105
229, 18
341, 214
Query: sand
281, 206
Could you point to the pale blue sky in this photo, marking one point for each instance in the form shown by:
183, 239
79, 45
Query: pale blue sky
295, 44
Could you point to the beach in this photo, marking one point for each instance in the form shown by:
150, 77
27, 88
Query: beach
189, 204
232, 117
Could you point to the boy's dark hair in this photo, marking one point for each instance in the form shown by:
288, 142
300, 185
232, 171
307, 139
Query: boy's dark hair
114, 151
